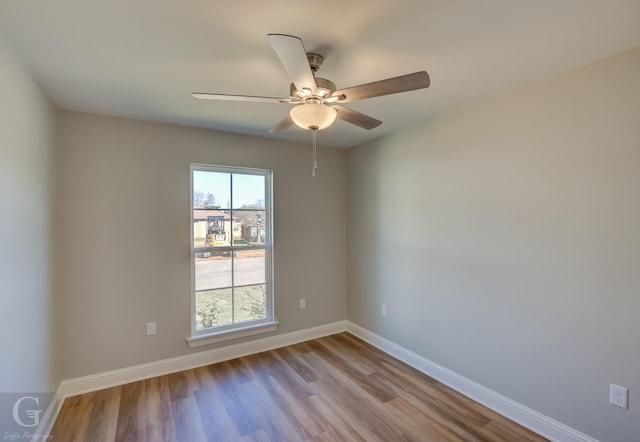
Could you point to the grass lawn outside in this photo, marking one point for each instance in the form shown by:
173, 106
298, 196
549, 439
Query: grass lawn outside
218, 307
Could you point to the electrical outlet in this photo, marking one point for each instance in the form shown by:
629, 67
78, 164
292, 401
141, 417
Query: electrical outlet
151, 328
383, 310
619, 396
303, 304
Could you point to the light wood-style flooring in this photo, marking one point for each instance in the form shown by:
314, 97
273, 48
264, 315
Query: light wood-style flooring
336, 388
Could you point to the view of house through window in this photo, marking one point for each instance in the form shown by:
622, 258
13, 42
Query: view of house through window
231, 247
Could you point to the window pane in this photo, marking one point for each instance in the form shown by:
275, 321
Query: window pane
213, 308
211, 190
251, 225
213, 272
249, 303
249, 267
248, 191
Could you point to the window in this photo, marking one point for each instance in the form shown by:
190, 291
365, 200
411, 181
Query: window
231, 253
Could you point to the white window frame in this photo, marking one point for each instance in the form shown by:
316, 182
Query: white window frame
233, 331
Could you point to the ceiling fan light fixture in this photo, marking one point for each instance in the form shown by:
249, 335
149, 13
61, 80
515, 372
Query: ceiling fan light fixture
314, 115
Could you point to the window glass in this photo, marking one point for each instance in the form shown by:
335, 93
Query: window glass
231, 247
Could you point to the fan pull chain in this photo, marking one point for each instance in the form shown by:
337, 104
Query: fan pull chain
315, 162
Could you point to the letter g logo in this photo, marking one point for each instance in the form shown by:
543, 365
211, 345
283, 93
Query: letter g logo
33, 414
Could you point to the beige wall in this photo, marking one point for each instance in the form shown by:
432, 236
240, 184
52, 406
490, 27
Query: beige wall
123, 206
27, 142
505, 240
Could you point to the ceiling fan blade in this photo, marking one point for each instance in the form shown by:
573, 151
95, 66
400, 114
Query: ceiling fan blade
357, 118
404, 83
282, 125
293, 57
229, 97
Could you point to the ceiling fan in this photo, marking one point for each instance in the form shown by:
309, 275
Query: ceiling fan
317, 102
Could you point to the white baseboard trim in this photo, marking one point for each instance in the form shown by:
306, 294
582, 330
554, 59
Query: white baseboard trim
525, 416
99, 381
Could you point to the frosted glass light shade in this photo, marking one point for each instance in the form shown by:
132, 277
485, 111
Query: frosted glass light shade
313, 115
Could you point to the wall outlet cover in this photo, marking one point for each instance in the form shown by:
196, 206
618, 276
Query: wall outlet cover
619, 396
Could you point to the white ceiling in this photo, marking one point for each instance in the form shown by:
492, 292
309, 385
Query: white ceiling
142, 59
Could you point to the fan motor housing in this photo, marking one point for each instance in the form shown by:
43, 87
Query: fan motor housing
325, 89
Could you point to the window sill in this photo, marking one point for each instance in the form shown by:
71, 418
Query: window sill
226, 335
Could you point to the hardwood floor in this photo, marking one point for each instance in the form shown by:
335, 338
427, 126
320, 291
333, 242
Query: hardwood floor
330, 389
